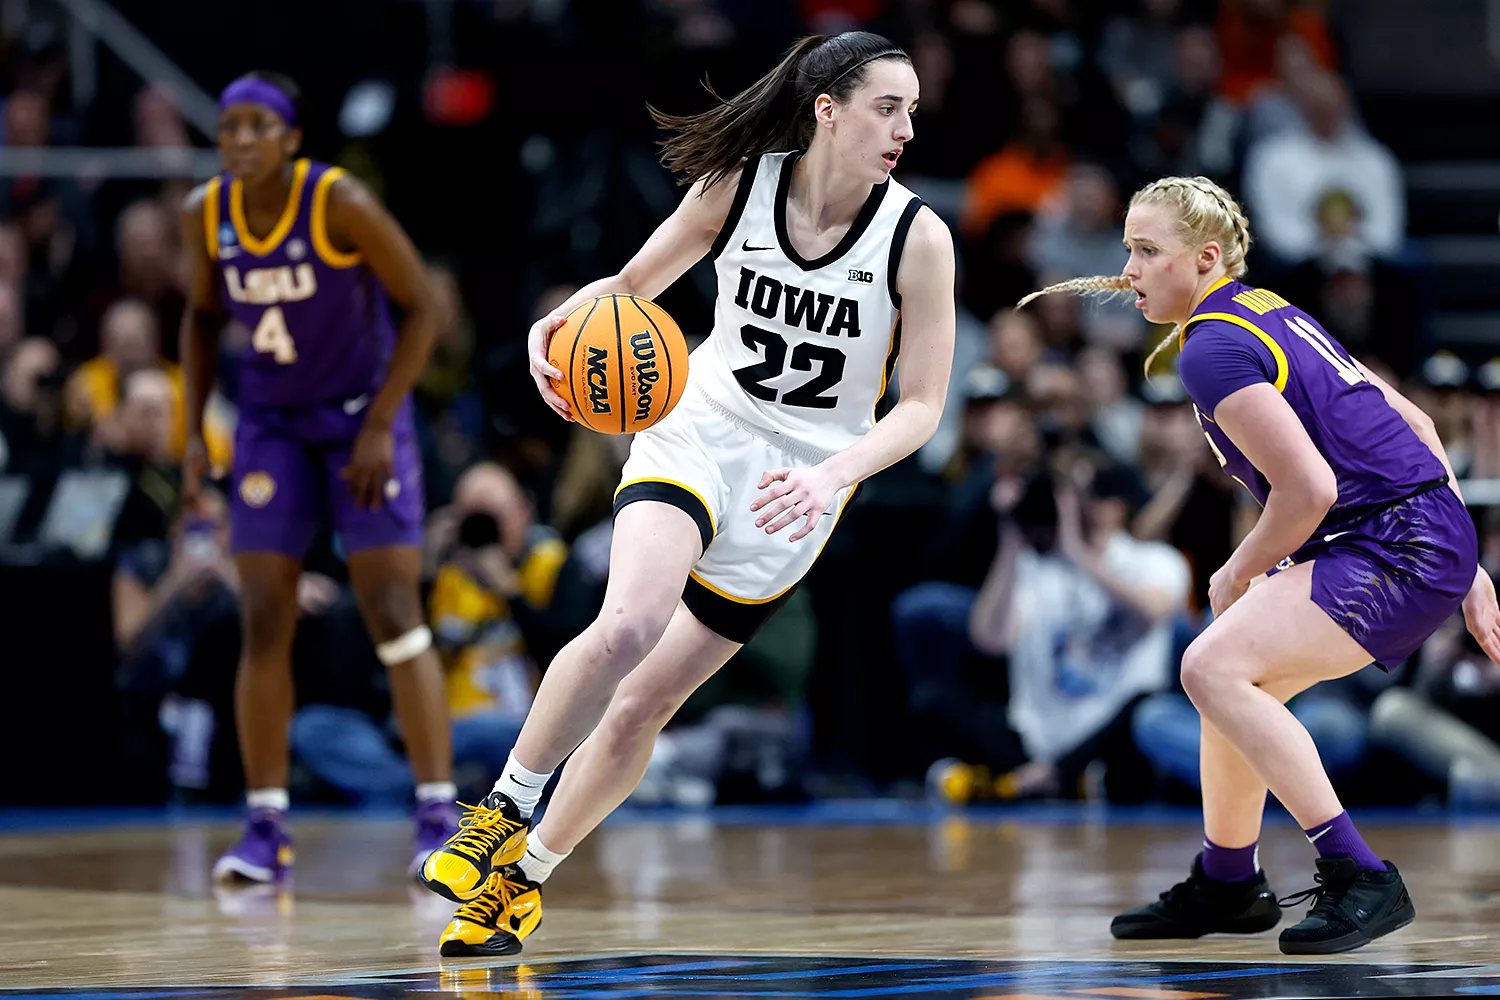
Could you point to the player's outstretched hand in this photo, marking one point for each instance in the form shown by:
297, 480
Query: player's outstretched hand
542, 370
372, 463
792, 493
1482, 615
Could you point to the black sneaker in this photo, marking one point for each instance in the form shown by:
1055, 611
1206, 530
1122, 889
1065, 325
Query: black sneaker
1351, 906
1202, 906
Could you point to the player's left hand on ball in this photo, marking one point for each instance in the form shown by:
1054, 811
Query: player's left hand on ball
789, 494
1482, 615
372, 462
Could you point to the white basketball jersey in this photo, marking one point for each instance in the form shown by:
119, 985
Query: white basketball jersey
804, 348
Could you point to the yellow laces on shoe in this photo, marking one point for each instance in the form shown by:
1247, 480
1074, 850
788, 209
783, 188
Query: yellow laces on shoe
479, 830
485, 909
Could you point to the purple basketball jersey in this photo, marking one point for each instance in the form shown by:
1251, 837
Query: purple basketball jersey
321, 342
1238, 335
320, 325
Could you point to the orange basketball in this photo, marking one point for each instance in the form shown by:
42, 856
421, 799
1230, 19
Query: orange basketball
624, 363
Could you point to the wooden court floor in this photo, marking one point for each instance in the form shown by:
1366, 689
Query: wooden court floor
932, 905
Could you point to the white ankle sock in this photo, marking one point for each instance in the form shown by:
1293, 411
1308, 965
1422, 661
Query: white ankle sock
268, 798
440, 791
538, 863
521, 786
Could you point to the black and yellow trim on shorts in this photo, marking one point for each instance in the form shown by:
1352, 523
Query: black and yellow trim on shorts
670, 492
735, 618
739, 618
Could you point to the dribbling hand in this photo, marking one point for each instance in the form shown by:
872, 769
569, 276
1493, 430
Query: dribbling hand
793, 493
1482, 615
542, 371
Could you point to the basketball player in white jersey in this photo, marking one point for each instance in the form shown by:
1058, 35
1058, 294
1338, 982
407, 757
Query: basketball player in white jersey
826, 267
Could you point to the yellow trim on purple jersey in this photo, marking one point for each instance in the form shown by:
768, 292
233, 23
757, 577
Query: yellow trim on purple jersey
1275, 348
211, 218
322, 245
258, 247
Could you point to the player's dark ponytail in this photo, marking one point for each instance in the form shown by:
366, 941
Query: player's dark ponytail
773, 114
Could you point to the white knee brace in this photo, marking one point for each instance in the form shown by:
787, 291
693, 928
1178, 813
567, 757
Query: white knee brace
405, 647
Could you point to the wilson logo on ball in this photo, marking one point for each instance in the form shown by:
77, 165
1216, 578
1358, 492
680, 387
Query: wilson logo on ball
646, 374
624, 363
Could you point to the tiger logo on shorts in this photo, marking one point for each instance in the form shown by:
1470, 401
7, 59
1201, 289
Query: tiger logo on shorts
257, 489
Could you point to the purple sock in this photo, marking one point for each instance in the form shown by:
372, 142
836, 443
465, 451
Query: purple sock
1230, 864
1337, 838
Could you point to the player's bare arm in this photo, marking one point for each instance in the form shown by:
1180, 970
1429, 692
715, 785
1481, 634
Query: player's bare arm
1303, 487
676, 245
925, 282
358, 222
198, 343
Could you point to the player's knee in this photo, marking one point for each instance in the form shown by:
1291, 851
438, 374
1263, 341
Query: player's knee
268, 626
636, 715
1198, 670
630, 634
391, 610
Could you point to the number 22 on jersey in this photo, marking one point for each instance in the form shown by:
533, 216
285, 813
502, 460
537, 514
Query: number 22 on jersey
272, 337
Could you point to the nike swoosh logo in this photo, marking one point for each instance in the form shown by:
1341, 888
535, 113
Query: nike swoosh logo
1314, 838
747, 247
1336, 534
353, 406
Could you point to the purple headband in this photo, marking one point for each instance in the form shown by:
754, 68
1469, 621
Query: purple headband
248, 90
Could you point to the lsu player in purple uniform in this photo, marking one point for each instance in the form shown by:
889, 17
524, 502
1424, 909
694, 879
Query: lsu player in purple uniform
1363, 548
305, 258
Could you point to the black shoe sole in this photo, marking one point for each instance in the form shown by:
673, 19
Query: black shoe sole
508, 945
1356, 939
1148, 932
442, 889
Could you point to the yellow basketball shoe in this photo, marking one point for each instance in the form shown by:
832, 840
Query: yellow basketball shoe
489, 834
496, 921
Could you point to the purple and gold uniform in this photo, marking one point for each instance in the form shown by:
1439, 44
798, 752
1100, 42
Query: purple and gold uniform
321, 341
1397, 553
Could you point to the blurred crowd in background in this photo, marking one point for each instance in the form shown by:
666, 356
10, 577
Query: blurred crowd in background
1001, 617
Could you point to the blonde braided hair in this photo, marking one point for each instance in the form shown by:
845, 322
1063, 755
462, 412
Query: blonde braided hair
1204, 213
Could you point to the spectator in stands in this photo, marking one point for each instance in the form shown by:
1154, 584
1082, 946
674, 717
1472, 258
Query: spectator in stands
129, 344
1328, 191
1080, 610
146, 243
138, 441
1015, 343
1137, 51
1023, 174
1079, 233
1196, 128
36, 443
1250, 33
1115, 414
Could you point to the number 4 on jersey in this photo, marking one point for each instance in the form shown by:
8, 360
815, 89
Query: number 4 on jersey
1347, 369
272, 337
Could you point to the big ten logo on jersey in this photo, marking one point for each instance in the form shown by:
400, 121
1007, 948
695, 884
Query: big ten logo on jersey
772, 299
